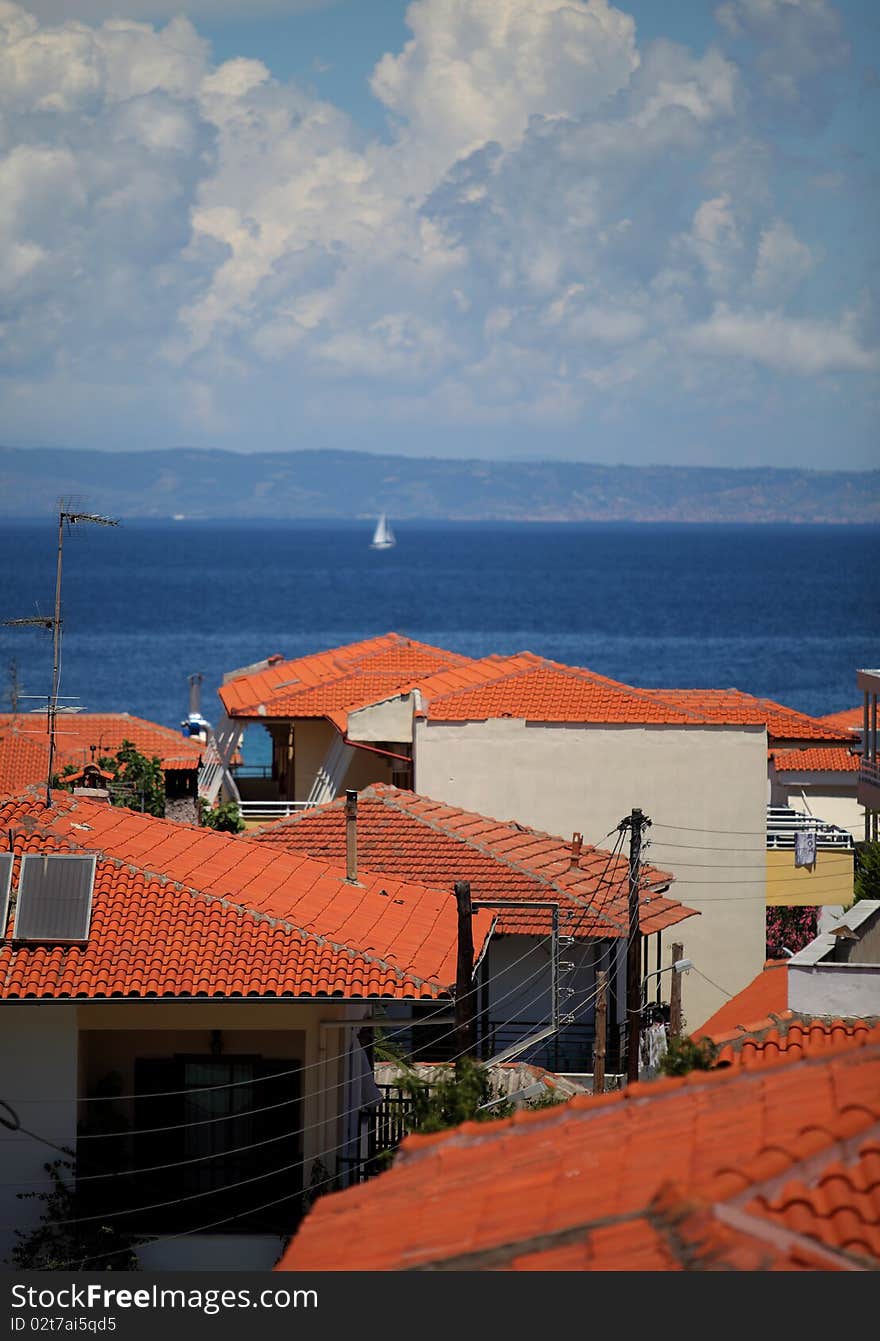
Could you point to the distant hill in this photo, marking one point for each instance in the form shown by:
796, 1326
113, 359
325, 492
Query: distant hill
335, 484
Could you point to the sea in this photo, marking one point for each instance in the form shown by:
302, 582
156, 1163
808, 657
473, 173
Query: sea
787, 612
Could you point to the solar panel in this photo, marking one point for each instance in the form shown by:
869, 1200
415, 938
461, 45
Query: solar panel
54, 897
5, 883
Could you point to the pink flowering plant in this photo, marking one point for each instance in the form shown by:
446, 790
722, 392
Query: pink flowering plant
790, 929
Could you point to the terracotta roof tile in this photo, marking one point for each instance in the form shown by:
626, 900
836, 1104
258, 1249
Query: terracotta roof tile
765, 994
24, 744
732, 706
533, 689
412, 836
786, 1036
816, 760
851, 720
397, 935
690, 1173
337, 682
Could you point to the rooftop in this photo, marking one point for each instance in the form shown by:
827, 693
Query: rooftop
80, 737
404, 834
766, 994
830, 759
534, 689
849, 720
176, 906
335, 683
774, 1168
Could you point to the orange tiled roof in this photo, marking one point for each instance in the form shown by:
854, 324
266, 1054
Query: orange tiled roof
851, 720
769, 1169
786, 1035
407, 835
332, 684
732, 706
536, 690
405, 932
765, 994
821, 760
24, 744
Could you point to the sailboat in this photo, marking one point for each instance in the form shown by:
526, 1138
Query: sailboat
383, 536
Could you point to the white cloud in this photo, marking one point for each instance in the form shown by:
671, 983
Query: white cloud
796, 43
558, 224
715, 240
477, 70
95, 11
807, 348
783, 261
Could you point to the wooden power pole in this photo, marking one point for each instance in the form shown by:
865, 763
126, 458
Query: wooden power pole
601, 1031
637, 822
675, 994
465, 996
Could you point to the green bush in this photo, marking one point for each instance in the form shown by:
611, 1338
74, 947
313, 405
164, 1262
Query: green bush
687, 1054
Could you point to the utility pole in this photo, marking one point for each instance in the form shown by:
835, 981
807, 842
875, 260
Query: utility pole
636, 823
465, 997
675, 994
601, 1031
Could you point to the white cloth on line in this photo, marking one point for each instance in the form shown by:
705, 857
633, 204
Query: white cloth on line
805, 847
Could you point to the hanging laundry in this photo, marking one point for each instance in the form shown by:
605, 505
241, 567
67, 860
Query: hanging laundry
805, 847
653, 1043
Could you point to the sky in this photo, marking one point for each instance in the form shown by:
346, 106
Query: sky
519, 229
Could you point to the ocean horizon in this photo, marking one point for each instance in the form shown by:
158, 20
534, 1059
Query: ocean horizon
787, 612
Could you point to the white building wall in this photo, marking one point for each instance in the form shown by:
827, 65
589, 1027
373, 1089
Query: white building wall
704, 788
844, 991
38, 1066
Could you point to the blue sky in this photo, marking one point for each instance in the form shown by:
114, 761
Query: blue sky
506, 228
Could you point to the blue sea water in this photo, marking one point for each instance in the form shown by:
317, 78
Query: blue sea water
789, 612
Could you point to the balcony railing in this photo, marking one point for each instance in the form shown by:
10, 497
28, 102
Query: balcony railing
271, 810
783, 824
869, 771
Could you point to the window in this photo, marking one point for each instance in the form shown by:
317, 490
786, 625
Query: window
232, 1128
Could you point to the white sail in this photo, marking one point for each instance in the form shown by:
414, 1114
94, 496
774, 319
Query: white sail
383, 536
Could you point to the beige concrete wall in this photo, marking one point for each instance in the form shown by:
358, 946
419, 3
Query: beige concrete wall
312, 740
562, 778
366, 768
391, 720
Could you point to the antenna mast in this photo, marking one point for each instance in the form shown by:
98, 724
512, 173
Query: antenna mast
65, 515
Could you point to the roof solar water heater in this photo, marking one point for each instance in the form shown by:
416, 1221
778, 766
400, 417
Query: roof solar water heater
5, 883
54, 897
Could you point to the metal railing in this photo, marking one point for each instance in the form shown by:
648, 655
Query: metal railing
784, 823
271, 810
869, 771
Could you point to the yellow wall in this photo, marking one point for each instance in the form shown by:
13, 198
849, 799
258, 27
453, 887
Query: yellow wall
830, 881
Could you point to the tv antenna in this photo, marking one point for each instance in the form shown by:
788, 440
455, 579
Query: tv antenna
66, 518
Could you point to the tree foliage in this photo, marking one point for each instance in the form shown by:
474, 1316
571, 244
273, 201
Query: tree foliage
56, 1244
867, 875
226, 817
137, 782
687, 1054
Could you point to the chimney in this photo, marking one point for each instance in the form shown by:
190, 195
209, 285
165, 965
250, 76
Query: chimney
577, 840
351, 840
195, 693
